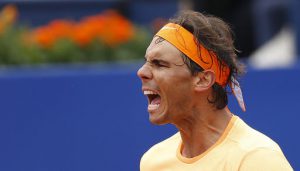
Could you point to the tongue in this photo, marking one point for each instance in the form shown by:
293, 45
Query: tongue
156, 100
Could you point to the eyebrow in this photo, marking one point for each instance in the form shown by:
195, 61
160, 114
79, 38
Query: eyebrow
153, 57
156, 59
161, 61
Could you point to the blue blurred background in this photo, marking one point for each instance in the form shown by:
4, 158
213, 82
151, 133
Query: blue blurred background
94, 117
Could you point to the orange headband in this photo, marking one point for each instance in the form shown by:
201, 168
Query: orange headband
186, 43
208, 60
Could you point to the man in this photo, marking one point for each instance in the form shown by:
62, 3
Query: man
190, 64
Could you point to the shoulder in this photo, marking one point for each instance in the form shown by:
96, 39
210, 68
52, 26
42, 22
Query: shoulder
168, 144
264, 159
165, 147
247, 138
258, 151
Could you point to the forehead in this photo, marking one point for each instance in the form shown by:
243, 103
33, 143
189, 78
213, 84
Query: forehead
163, 50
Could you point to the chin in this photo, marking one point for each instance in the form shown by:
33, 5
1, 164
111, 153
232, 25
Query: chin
158, 120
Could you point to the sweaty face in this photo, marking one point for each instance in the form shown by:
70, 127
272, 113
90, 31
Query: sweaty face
166, 82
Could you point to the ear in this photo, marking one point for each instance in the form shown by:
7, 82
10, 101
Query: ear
204, 80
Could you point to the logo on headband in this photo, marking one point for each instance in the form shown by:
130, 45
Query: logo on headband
167, 27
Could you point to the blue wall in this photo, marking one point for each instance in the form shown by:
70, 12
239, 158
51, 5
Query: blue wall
94, 118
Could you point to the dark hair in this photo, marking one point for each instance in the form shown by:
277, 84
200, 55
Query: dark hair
216, 36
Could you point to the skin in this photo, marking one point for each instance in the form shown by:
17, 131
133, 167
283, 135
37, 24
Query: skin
183, 98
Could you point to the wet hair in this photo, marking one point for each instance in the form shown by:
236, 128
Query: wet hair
216, 36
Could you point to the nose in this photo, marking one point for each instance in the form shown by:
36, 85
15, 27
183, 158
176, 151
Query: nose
144, 72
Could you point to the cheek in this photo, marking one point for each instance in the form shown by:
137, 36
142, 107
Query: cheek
178, 104
178, 91
174, 84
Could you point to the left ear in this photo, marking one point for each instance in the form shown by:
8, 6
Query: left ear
204, 80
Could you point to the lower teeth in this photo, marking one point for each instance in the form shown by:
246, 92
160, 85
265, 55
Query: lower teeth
153, 106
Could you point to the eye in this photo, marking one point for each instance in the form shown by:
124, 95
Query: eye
157, 63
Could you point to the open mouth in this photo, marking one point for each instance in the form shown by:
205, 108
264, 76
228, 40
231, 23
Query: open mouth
153, 99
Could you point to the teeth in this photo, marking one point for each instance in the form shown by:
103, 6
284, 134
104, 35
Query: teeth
147, 92
153, 106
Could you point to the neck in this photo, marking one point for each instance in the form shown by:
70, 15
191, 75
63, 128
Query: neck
202, 130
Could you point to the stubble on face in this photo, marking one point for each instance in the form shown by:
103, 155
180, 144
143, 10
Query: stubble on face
173, 83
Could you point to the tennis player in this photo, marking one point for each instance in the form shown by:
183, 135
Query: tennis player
190, 67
